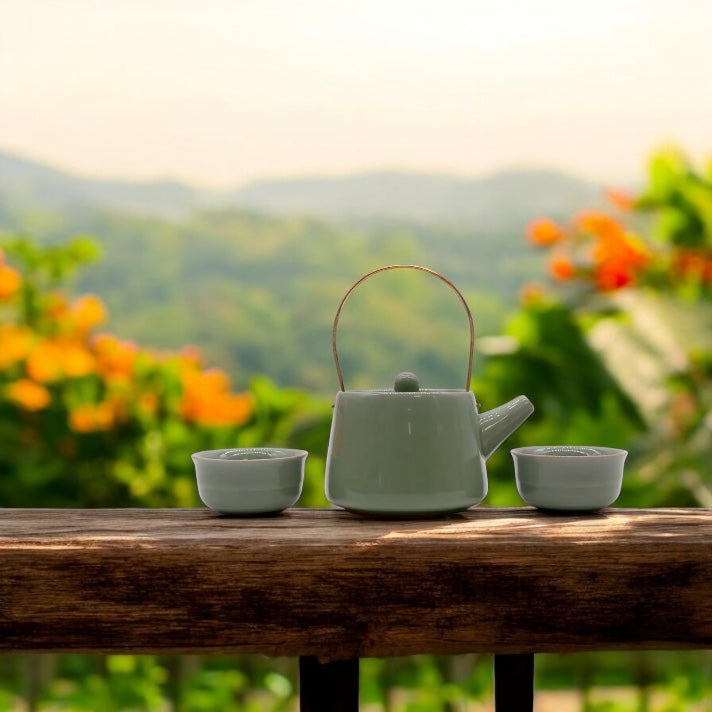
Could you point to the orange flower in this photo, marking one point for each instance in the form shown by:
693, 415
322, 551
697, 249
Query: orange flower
75, 359
15, 344
81, 419
28, 394
44, 362
214, 380
610, 277
207, 399
10, 281
544, 233
625, 250
618, 260
599, 225
87, 312
114, 359
561, 267
90, 417
229, 409
622, 199
51, 359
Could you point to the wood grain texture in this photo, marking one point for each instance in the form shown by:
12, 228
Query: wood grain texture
330, 584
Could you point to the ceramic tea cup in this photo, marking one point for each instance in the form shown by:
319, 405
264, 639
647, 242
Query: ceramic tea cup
249, 481
569, 477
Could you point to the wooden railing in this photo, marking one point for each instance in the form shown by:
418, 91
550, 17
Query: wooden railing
330, 587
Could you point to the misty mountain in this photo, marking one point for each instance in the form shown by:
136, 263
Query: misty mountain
27, 184
512, 196
501, 199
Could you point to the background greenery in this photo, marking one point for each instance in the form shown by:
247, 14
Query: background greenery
601, 317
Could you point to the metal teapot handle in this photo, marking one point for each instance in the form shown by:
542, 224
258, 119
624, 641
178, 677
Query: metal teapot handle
385, 269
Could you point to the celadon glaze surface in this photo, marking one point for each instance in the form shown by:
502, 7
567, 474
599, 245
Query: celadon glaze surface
406, 453
569, 477
249, 481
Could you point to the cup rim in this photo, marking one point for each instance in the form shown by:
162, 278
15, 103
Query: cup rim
537, 452
284, 453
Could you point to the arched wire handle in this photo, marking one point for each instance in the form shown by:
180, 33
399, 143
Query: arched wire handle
385, 269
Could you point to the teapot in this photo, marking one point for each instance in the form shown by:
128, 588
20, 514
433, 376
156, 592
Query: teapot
412, 451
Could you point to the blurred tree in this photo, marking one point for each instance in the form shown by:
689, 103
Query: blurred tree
88, 419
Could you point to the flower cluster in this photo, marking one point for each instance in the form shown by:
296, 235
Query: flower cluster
596, 249
96, 381
207, 399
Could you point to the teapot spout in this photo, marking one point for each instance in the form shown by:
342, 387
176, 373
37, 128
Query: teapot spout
499, 423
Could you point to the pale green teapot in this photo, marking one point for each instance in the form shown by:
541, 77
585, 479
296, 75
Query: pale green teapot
412, 451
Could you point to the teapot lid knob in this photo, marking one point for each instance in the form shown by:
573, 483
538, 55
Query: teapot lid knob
406, 383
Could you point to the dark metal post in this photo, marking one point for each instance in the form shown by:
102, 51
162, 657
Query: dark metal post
514, 683
328, 686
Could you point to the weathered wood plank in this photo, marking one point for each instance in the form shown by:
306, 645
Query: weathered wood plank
333, 585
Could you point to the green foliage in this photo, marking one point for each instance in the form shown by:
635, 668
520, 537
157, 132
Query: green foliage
680, 197
556, 366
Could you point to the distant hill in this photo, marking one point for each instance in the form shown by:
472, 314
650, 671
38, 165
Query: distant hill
502, 199
29, 184
511, 196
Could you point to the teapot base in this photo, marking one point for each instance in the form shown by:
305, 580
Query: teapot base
427, 514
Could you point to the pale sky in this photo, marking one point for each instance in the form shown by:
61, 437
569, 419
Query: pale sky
220, 92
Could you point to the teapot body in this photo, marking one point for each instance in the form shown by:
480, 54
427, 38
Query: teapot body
405, 454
